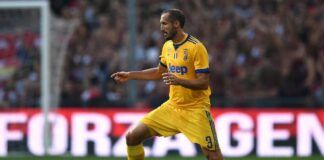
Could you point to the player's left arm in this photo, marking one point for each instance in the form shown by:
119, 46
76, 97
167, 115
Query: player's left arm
201, 83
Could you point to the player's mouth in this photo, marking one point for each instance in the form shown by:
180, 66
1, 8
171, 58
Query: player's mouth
165, 34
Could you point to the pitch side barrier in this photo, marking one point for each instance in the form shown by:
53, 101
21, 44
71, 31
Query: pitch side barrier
276, 132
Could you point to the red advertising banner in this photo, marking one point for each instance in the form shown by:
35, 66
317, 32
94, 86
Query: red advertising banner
278, 132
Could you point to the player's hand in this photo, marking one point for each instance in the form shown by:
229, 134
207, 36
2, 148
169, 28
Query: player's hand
120, 77
169, 78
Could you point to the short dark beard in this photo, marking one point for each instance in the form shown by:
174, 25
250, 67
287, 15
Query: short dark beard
173, 34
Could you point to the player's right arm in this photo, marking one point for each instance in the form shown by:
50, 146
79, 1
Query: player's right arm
147, 74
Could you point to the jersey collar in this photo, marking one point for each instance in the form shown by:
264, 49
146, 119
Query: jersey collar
177, 45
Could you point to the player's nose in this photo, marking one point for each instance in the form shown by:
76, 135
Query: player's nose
162, 28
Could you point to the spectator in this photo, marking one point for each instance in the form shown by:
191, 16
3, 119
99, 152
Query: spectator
270, 51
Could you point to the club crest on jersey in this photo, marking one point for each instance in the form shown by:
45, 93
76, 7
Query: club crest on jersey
185, 54
169, 51
178, 69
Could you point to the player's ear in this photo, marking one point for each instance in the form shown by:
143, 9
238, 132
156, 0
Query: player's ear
176, 24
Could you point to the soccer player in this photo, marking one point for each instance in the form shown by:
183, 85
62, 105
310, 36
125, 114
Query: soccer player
184, 68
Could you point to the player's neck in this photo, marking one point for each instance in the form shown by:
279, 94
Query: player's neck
180, 37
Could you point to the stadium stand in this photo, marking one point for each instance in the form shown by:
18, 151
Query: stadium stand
263, 53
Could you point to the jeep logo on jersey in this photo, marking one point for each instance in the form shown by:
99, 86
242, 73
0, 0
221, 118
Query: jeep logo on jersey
178, 69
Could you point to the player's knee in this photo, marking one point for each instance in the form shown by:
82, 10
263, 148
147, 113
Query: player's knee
132, 139
214, 157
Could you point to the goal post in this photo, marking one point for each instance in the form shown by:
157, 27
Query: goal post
43, 6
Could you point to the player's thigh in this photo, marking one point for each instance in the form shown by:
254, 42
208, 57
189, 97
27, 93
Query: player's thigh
199, 128
138, 134
162, 121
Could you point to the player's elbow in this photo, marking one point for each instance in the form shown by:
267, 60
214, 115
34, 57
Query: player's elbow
204, 87
203, 81
205, 84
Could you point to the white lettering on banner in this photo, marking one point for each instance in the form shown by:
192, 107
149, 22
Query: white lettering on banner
99, 134
179, 142
59, 137
308, 127
243, 136
309, 132
10, 135
119, 148
266, 134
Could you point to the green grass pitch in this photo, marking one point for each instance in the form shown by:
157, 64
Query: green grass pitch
162, 158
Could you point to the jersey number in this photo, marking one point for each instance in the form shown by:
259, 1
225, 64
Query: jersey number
209, 142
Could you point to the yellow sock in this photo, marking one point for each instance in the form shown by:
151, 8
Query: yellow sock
135, 152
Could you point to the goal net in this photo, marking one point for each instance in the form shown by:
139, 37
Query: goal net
24, 71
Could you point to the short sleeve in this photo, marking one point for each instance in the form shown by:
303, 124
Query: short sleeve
162, 56
201, 61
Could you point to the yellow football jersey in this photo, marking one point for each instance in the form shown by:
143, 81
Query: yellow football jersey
185, 60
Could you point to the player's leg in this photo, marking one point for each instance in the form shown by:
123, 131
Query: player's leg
134, 140
138, 135
212, 150
159, 122
199, 128
212, 154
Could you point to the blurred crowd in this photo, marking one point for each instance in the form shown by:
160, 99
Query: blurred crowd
262, 52
19, 58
